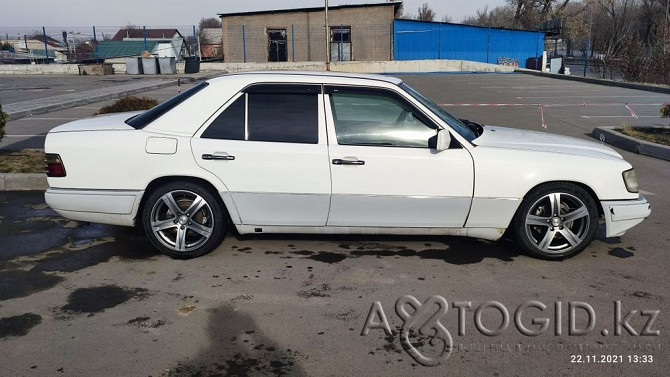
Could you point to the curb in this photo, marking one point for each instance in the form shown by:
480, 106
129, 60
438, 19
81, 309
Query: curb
66, 104
628, 85
23, 182
609, 135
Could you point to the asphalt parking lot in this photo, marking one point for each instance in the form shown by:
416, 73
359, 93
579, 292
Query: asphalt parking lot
18, 88
89, 299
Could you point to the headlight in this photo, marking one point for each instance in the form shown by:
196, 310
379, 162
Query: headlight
630, 179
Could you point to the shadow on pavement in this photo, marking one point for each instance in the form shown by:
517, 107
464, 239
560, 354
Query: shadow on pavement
238, 348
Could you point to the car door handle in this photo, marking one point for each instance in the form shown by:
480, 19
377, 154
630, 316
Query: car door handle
339, 161
217, 157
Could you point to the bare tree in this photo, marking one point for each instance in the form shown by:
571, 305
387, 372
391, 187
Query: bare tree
629, 39
498, 17
399, 12
425, 13
447, 18
211, 22
207, 23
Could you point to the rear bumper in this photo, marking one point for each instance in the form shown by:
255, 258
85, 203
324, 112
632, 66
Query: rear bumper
97, 206
621, 215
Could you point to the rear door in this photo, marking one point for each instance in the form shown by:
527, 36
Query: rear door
268, 146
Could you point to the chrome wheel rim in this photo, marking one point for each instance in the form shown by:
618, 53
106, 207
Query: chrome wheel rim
182, 220
557, 223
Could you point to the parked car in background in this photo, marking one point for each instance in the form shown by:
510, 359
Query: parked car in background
305, 152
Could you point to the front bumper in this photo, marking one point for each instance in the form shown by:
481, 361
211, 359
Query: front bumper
97, 206
621, 215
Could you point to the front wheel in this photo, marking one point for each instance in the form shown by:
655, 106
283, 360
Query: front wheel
556, 220
184, 220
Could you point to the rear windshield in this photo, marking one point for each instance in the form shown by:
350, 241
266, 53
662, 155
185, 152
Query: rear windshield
142, 120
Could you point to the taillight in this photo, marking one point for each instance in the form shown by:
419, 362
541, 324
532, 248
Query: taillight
55, 167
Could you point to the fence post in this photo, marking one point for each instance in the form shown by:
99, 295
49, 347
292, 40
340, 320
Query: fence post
292, 44
391, 41
244, 45
195, 44
95, 45
586, 55
488, 45
46, 50
439, 41
144, 34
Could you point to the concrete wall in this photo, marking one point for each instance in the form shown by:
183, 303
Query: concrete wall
39, 69
416, 66
356, 66
370, 34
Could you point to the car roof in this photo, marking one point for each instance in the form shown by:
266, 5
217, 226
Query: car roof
313, 75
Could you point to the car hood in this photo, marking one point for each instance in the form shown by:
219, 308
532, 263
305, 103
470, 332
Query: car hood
512, 138
98, 123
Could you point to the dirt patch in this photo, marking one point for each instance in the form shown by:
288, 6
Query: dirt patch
19, 283
328, 257
185, 310
128, 103
97, 299
18, 325
320, 291
22, 161
620, 253
658, 135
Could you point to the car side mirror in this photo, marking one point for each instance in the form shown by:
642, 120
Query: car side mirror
443, 140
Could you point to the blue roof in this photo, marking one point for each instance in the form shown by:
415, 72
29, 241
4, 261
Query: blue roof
119, 49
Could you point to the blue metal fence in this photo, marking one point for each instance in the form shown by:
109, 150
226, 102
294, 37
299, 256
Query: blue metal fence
415, 40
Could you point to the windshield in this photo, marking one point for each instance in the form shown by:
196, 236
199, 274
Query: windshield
141, 120
455, 123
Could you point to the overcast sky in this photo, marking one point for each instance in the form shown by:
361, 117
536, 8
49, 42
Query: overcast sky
186, 12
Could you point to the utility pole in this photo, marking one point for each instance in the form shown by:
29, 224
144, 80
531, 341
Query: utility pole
327, 32
667, 14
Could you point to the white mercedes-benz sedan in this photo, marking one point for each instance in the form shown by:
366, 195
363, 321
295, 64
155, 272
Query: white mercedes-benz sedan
307, 152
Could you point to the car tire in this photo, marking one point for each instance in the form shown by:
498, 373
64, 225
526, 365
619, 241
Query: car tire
184, 220
555, 221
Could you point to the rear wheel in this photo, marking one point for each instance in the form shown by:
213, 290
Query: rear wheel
184, 220
556, 220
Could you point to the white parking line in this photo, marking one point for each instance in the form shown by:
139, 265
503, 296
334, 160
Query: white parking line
543, 88
642, 192
618, 116
553, 105
35, 118
578, 96
25, 135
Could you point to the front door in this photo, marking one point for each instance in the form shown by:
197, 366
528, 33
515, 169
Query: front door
268, 146
384, 174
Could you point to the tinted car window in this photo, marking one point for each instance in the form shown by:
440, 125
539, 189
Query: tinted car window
368, 117
229, 124
142, 120
283, 117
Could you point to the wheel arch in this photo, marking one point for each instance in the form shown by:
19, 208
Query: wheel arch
517, 230
160, 181
582, 185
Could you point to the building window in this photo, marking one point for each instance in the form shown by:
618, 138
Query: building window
277, 45
340, 43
